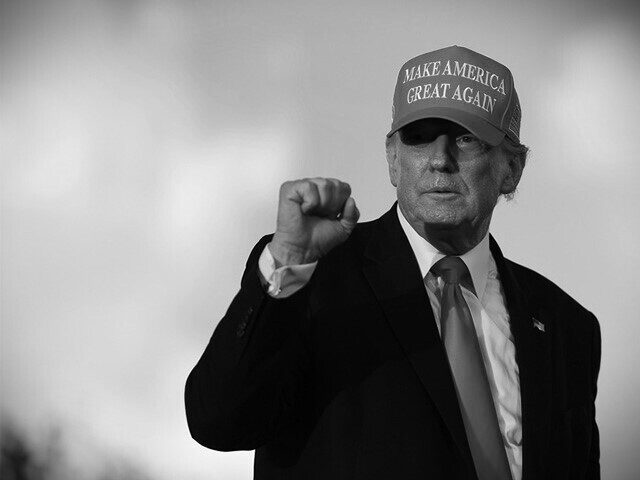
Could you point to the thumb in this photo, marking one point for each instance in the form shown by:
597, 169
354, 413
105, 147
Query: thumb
350, 215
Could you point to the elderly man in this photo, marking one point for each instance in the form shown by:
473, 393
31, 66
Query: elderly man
406, 347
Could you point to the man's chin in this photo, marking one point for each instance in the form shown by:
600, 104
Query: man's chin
434, 215
441, 225
440, 217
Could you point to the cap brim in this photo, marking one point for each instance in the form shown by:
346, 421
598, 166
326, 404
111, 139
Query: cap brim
476, 125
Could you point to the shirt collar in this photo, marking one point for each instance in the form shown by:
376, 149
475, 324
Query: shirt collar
477, 259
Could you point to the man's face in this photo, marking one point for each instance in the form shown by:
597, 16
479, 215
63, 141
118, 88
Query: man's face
447, 180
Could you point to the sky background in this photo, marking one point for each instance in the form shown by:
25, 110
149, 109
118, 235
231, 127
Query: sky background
142, 147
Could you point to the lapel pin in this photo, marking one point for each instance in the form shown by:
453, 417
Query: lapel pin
538, 324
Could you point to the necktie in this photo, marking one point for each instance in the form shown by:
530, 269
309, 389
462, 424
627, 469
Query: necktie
474, 395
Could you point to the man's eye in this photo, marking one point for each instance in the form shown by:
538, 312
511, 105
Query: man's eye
470, 143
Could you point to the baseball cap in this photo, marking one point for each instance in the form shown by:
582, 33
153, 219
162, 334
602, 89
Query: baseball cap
460, 85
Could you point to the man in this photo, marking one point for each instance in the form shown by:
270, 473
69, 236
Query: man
406, 347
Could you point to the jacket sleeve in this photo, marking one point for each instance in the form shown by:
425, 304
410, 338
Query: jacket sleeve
248, 382
593, 469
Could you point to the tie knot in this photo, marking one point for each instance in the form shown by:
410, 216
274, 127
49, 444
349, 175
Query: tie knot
453, 270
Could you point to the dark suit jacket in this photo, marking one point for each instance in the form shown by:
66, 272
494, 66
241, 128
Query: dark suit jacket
348, 377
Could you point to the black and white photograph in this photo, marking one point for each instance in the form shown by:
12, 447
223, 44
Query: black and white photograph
350, 240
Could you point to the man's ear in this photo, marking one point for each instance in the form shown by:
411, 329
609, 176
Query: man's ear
392, 159
514, 168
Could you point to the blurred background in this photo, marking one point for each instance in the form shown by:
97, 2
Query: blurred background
142, 147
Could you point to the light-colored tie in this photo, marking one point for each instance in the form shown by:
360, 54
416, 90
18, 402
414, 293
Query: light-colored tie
474, 395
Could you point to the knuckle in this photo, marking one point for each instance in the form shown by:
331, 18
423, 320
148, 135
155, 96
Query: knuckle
310, 191
329, 187
330, 181
285, 188
320, 182
336, 183
333, 182
344, 189
305, 185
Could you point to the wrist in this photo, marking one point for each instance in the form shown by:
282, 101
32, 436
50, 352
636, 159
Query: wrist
285, 254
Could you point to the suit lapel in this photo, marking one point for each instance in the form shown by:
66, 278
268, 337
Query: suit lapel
531, 329
393, 273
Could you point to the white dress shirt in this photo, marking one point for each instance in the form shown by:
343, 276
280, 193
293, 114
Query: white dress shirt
490, 318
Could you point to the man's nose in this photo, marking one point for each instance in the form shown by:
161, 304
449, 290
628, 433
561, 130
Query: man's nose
441, 155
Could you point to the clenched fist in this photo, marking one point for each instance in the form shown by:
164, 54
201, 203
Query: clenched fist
314, 216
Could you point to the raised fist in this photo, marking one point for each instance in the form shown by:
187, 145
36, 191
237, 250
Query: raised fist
314, 216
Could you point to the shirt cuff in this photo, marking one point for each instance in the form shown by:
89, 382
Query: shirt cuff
284, 281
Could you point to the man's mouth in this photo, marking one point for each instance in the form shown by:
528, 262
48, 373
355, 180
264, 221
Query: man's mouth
442, 190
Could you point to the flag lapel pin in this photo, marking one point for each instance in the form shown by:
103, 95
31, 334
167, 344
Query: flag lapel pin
538, 324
